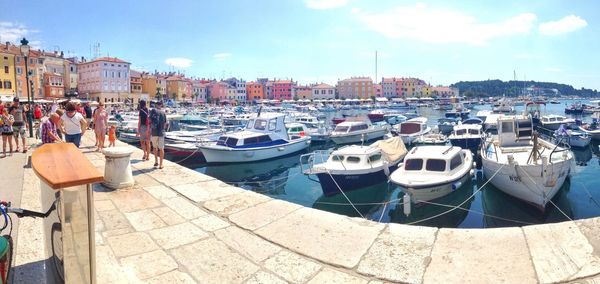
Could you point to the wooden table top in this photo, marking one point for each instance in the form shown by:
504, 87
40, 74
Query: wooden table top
62, 165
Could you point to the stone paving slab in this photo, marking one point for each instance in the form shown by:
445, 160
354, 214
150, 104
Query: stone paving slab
292, 267
211, 261
206, 190
328, 237
177, 235
560, 252
249, 245
131, 244
331, 276
480, 256
184, 207
150, 264
172, 277
262, 277
230, 204
268, 212
401, 253
210, 223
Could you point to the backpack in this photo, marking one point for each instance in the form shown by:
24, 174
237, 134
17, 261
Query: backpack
154, 119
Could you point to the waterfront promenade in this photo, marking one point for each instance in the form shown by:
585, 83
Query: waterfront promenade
179, 226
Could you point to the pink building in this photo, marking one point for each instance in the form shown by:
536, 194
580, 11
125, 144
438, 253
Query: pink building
218, 91
104, 78
282, 89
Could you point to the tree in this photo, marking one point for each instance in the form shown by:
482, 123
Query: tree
296, 98
174, 96
196, 95
373, 98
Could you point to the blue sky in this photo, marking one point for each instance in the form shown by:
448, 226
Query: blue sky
322, 40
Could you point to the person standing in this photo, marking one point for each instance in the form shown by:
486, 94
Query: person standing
6, 123
88, 113
144, 129
49, 126
158, 125
100, 123
73, 125
19, 126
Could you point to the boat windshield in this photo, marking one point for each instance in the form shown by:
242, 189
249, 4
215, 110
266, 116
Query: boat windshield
474, 131
461, 132
436, 165
409, 128
341, 129
413, 164
260, 124
358, 127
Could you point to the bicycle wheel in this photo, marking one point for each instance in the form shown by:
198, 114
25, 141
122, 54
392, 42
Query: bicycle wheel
6, 249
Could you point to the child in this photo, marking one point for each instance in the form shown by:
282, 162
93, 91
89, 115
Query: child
112, 135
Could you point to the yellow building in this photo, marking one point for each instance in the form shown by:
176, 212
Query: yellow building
7, 74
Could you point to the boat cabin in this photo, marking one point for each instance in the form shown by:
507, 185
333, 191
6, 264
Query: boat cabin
355, 157
434, 159
266, 130
555, 119
514, 130
467, 129
351, 126
412, 126
296, 130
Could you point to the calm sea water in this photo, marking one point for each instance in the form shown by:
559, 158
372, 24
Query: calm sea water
283, 179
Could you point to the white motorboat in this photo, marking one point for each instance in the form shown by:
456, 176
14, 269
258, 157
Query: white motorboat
553, 121
411, 129
520, 164
504, 105
430, 172
352, 167
467, 136
482, 114
431, 139
356, 132
573, 138
265, 137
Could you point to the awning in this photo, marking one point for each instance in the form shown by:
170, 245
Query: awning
381, 99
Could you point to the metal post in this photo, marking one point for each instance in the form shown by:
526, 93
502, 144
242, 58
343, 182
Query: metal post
91, 232
29, 117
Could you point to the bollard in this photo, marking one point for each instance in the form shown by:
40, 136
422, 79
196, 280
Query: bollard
66, 181
117, 170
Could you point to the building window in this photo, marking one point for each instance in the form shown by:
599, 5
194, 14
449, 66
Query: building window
6, 69
7, 85
18, 58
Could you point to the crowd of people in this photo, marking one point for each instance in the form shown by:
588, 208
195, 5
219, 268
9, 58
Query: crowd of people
68, 122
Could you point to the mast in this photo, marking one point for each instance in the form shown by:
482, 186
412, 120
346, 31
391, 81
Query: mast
375, 66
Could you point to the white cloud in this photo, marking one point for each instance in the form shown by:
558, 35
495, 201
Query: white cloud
553, 69
442, 26
14, 32
221, 55
567, 24
325, 4
179, 62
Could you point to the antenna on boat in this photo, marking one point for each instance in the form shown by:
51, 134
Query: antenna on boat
259, 110
447, 150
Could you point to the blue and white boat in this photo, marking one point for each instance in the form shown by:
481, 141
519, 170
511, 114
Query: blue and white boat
353, 167
446, 125
265, 137
467, 136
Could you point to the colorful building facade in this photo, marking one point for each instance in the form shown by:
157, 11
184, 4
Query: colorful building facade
255, 91
104, 79
323, 92
355, 88
282, 89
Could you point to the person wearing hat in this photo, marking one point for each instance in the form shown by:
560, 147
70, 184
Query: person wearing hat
158, 126
19, 126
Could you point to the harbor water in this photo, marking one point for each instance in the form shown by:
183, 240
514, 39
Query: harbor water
283, 179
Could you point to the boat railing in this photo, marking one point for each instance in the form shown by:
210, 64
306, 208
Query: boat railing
556, 148
310, 159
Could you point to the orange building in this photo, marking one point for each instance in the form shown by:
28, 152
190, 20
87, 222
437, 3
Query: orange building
255, 91
19, 72
53, 85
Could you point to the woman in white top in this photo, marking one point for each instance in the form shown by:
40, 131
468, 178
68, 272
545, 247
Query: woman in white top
73, 125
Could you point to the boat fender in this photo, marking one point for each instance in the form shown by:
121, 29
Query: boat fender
456, 185
406, 201
472, 172
281, 148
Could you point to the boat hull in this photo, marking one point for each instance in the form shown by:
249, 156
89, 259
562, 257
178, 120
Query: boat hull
436, 191
524, 181
357, 138
466, 143
349, 182
219, 154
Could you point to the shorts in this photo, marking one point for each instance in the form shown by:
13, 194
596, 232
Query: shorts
7, 133
144, 135
158, 142
73, 138
19, 130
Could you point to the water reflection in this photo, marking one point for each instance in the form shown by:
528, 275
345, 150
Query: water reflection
503, 210
451, 219
366, 200
582, 156
267, 177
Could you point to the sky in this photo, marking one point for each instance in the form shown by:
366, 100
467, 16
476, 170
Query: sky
311, 41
